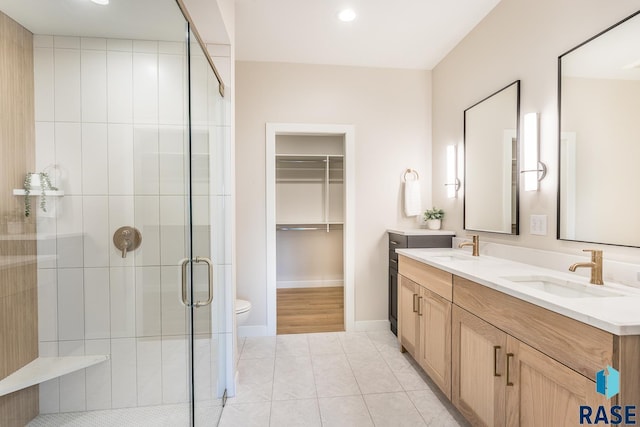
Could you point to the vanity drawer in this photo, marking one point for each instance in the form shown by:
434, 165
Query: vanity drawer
581, 347
393, 260
397, 241
433, 279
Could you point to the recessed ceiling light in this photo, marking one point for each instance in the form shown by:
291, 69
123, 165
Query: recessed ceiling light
347, 15
101, 2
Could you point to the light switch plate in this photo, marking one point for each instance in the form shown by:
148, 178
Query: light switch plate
538, 225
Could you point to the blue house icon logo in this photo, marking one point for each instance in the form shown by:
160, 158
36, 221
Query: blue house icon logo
609, 383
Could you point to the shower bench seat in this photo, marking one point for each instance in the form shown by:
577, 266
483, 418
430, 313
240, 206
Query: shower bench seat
46, 368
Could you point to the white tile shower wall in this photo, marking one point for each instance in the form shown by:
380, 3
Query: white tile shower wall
110, 130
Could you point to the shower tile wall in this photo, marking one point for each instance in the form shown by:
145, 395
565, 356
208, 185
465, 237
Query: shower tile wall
110, 116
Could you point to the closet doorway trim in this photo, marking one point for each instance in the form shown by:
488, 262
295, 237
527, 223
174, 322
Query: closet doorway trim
348, 132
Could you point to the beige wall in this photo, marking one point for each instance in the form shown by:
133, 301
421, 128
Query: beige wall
391, 112
519, 39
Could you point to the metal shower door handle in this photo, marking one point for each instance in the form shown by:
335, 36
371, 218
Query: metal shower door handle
184, 263
210, 278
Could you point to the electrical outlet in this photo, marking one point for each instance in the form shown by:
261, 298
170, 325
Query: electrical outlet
538, 225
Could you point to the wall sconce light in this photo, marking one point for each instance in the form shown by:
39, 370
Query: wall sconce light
533, 169
453, 183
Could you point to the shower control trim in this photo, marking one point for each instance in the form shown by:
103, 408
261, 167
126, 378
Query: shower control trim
127, 239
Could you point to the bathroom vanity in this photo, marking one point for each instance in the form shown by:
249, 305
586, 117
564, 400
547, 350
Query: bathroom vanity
509, 343
412, 238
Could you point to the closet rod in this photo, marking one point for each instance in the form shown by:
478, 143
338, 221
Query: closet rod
299, 228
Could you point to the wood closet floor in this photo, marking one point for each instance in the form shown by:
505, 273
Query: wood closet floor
306, 310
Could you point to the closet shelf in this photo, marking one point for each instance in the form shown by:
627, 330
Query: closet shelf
310, 223
320, 180
35, 193
46, 368
308, 226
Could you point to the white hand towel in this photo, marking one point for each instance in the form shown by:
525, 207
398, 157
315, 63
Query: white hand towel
412, 198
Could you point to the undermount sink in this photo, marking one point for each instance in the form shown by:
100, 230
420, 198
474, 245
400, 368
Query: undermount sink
562, 288
451, 257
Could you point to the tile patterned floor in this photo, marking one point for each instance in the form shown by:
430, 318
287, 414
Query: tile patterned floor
333, 379
328, 379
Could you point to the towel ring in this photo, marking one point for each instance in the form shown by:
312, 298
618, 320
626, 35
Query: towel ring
410, 172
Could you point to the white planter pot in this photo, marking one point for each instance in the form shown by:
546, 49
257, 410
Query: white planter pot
34, 181
434, 224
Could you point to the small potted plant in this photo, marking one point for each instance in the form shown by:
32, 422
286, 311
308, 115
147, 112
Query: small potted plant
434, 218
36, 181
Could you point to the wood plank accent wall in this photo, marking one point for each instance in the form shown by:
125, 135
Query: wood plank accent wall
18, 283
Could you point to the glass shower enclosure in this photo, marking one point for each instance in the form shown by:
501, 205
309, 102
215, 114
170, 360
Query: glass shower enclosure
133, 259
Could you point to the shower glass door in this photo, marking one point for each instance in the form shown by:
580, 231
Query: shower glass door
130, 126
207, 236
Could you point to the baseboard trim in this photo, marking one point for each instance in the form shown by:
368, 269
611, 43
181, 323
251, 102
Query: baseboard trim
372, 325
360, 326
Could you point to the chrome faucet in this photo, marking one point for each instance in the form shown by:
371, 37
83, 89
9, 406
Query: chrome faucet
475, 243
595, 265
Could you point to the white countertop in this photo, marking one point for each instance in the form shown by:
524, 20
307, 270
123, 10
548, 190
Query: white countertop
619, 315
420, 232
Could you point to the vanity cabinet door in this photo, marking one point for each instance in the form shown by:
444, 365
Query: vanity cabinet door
408, 321
478, 369
434, 354
544, 392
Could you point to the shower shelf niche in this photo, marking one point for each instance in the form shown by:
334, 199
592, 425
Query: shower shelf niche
46, 368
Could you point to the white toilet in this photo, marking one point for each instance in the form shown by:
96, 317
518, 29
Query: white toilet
243, 308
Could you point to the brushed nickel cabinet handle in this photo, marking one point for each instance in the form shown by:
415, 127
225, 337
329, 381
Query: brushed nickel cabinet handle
509, 357
495, 360
419, 306
415, 310
392, 242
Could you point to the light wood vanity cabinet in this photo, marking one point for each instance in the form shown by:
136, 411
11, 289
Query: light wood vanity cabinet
478, 369
424, 327
500, 381
506, 362
434, 355
408, 322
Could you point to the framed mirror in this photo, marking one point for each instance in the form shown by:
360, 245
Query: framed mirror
491, 141
599, 139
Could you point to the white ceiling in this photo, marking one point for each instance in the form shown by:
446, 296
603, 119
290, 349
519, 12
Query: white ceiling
414, 34
126, 19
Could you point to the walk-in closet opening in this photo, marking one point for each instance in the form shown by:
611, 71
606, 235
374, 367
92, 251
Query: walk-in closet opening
309, 233
309, 194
